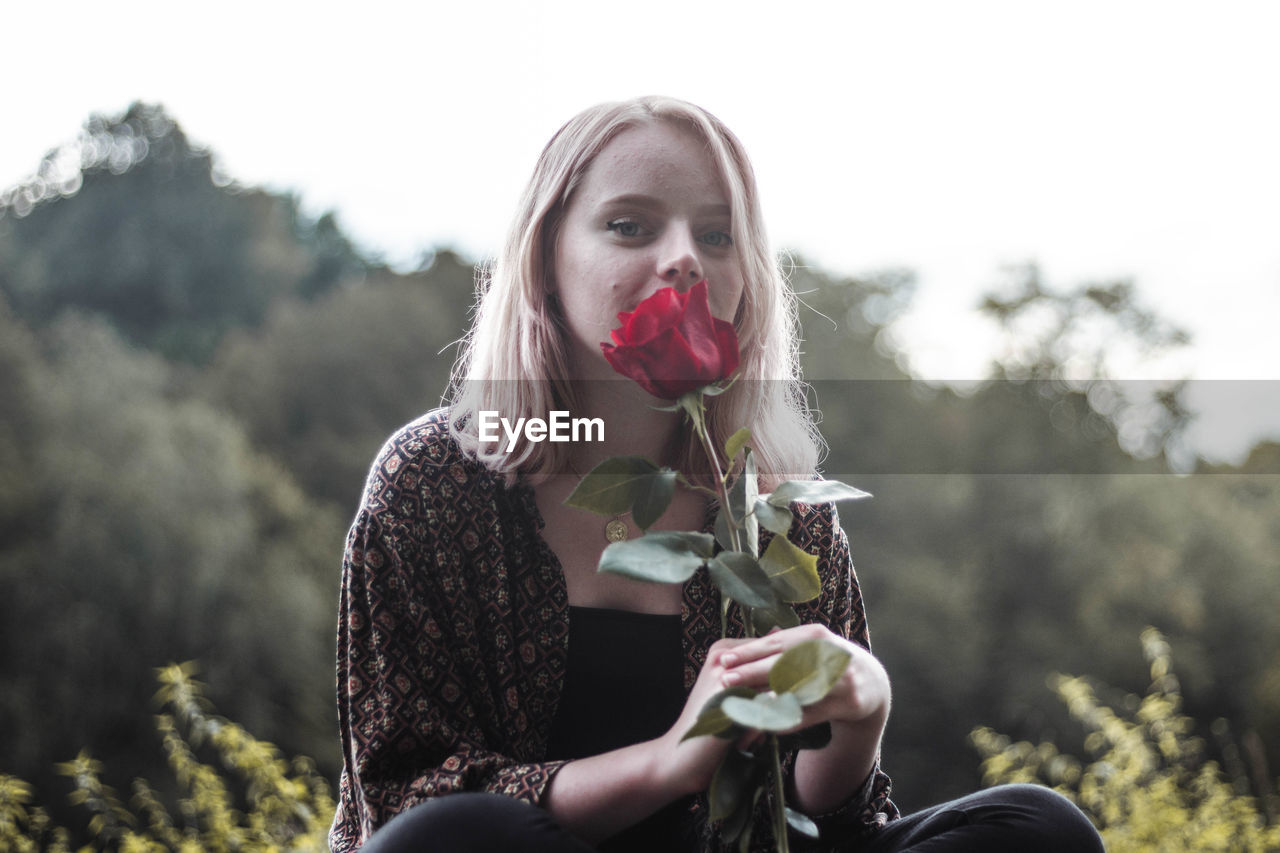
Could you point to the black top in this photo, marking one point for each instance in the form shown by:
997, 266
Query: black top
623, 685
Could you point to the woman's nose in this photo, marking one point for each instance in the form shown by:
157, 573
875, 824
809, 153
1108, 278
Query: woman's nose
678, 264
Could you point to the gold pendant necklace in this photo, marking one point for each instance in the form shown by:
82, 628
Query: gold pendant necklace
616, 530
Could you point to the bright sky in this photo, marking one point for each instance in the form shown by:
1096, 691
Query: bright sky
1101, 139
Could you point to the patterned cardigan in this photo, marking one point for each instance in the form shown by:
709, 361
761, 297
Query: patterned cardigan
453, 639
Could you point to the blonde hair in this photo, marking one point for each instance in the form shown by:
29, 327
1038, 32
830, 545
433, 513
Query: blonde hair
514, 359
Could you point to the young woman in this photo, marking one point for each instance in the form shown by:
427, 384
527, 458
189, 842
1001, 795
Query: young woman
496, 692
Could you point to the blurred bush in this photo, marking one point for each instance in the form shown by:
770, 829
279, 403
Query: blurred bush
254, 801
1149, 786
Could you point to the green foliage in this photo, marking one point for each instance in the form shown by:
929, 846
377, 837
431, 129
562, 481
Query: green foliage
660, 556
150, 508
321, 383
132, 221
287, 805
1010, 523
140, 524
1148, 786
194, 376
622, 484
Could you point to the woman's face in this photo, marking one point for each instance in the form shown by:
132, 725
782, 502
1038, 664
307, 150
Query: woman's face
649, 213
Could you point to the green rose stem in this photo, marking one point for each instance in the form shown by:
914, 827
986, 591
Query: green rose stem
779, 796
695, 405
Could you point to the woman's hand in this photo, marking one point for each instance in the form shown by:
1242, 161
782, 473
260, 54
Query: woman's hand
686, 766
861, 694
857, 708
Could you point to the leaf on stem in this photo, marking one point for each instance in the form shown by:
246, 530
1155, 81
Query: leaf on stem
801, 823
724, 529
664, 556
611, 487
815, 492
732, 783
742, 498
735, 788
775, 518
734, 445
740, 577
653, 496
792, 570
809, 670
765, 619
712, 720
767, 712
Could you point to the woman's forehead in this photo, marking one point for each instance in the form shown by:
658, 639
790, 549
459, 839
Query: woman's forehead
656, 159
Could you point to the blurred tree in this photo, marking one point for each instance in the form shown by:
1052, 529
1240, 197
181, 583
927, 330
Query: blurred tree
322, 384
1012, 534
149, 530
130, 221
1070, 341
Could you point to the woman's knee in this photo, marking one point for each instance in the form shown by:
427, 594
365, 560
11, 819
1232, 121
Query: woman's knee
1055, 821
473, 821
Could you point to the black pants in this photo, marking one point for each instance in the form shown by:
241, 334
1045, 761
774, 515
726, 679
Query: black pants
1007, 818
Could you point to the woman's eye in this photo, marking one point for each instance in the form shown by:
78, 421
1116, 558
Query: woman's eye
624, 227
717, 238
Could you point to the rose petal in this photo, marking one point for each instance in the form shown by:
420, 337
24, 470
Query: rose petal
697, 328
660, 311
671, 344
669, 365
727, 339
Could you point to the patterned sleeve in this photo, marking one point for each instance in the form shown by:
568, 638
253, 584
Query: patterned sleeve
840, 608
413, 723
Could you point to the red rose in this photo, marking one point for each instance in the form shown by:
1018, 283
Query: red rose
672, 345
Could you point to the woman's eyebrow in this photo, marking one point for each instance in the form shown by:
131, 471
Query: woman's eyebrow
655, 203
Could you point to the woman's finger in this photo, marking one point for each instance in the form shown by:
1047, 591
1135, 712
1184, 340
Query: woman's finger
753, 673
774, 643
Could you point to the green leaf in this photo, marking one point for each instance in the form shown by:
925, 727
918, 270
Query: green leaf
731, 783
734, 445
737, 785
653, 496
792, 570
742, 497
664, 556
775, 518
801, 823
612, 486
809, 670
740, 577
744, 840
712, 719
766, 712
815, 492
765, 619
723, 530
